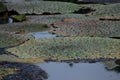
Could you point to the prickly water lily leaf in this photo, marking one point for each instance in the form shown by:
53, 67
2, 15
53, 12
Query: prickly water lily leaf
69, 47
10, 39
107, 10
24, 27
50, 19
39, 7
87, 27
100, 1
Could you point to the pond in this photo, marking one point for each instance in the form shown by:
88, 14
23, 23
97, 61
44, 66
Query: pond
79, 71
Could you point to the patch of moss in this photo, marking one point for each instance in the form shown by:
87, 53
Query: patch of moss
69, 47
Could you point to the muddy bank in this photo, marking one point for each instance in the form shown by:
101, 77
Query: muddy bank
24, 71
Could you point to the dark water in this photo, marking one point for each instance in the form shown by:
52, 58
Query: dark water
43, 34
80, 71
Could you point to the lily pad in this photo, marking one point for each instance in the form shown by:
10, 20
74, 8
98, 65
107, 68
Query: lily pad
10, 39
39, 7
86, 27
107, 10
24, 27
69, 47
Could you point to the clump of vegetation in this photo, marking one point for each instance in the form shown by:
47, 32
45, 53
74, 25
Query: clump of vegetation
40, 7
86, 27
69, 47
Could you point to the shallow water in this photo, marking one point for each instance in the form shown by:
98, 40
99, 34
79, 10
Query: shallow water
43, 34
79, 71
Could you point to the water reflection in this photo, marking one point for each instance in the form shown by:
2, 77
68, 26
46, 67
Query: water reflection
79, 71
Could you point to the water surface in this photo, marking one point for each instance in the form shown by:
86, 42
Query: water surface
43, 34
79, 71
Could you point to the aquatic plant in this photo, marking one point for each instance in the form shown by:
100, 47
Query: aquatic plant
86, 27
10, 39
24, 27
49, 19
69, 47
100, 1
74, 1
40, 7
107, 10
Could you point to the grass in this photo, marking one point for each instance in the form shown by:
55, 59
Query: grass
70, 47
5, 71
39, 7
87, 27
